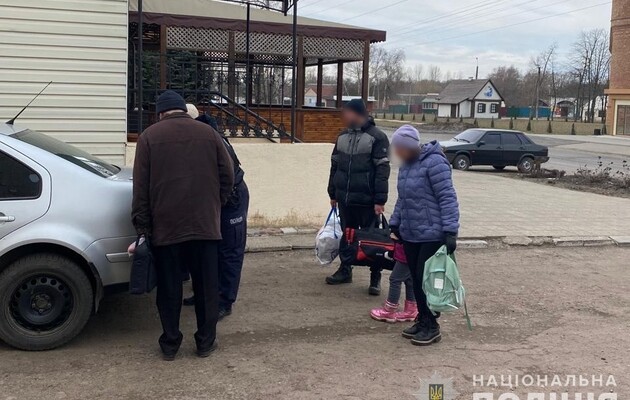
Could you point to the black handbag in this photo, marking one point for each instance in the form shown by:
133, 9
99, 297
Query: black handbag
369, 246
143, 278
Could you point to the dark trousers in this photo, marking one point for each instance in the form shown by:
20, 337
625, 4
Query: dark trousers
355, 217
232, 247
417, 256
200, 258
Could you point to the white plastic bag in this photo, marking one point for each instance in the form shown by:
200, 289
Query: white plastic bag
328, 239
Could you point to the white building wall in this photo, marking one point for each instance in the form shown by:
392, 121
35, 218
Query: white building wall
464, 109
82, 47
444, 110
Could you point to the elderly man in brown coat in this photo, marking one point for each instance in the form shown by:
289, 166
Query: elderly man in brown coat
182, 176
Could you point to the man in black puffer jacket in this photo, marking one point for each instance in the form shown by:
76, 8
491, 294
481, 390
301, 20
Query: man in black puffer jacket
358, 183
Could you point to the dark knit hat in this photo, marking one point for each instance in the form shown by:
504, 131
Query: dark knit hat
170, 100
358, 106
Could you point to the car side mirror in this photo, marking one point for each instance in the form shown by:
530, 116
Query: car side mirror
482, 143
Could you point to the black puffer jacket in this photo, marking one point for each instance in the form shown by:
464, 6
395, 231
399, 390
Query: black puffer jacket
360, 167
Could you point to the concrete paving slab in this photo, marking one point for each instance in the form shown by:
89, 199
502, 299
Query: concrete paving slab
517, 241
267, 243
621, 240
472, 244
301, 242
289, 231
579, 241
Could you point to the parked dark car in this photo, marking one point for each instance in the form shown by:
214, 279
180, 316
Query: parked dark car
495, 147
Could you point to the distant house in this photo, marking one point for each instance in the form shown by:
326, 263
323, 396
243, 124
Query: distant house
430, 103
472, 98
329, 92
310, 98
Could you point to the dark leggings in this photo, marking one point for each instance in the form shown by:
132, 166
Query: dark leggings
417, 256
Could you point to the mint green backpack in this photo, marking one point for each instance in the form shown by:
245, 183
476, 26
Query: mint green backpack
442, 284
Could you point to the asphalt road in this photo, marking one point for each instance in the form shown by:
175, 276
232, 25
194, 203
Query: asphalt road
562, 158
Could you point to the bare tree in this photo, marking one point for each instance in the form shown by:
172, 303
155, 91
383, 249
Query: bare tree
509, 82
435, 73
590, 66
542, 64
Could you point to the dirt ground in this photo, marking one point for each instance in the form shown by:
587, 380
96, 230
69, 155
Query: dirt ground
535, 311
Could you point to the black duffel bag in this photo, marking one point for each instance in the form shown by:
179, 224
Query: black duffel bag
369, 246
143, 278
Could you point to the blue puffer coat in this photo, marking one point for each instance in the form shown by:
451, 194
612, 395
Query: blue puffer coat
427, 205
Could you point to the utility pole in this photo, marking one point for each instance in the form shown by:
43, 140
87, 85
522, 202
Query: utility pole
537, 94
477, 69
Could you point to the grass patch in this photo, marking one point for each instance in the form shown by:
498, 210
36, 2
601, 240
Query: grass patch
609, 180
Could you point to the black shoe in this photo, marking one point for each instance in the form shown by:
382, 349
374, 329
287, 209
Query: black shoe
168, 356
224, 312
413, 330
189, 301
427, 336
375, 284
341, 276
206, 353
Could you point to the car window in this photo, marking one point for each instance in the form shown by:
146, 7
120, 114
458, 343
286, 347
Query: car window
17, 181
524, 139
511, 139
69, 153
492, 139
469, 136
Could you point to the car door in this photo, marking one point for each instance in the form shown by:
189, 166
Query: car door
489, 150
24, 190
513, 149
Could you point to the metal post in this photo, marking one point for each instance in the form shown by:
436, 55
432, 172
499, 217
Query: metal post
294, 74
140, 69
248, 75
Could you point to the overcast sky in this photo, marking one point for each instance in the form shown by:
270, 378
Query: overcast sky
451, 33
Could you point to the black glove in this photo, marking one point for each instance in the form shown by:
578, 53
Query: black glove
395, 231
450, 240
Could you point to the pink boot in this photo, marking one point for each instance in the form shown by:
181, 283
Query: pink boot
387, 313
409, 314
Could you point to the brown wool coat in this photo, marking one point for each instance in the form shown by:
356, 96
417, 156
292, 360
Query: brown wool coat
182, 176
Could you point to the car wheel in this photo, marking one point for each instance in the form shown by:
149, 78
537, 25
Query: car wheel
461, 162
45, 301
499, 167
526, 165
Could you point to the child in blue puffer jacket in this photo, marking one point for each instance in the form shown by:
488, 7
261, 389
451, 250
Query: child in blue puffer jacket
426, 217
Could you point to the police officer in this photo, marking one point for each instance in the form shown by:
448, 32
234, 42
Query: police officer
233, 229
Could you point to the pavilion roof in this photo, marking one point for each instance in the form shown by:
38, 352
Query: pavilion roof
211, 14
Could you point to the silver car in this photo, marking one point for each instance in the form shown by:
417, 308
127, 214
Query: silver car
64, 230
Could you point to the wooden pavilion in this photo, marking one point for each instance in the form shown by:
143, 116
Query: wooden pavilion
237, 63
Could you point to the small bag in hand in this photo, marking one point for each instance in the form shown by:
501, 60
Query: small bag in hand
369, 246
143, 278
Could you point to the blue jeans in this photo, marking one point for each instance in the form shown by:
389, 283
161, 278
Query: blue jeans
400, 274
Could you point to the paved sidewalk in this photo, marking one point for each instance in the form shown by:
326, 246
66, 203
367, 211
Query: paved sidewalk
498, 206
288, 186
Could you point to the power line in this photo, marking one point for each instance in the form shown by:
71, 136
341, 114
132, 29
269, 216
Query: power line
311, 4
372, 11
337, 5
442, 16
471, 17
512, 25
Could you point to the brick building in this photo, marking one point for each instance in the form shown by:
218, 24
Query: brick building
619, 91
